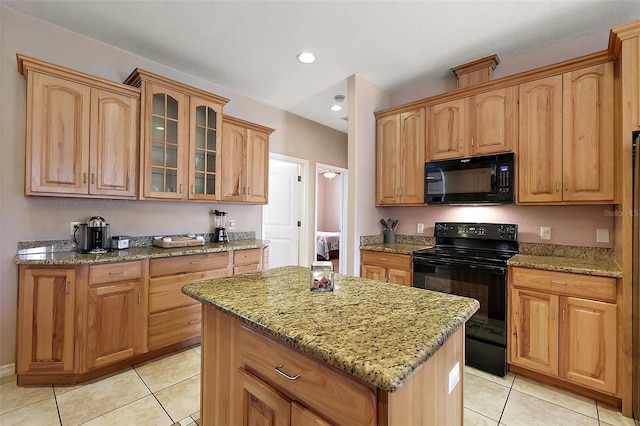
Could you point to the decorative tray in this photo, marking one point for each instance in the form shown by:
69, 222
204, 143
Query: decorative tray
177, 242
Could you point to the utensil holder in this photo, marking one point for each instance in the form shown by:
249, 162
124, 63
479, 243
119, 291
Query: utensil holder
389, 237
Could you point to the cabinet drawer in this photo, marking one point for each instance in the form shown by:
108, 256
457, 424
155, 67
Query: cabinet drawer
386, 260
166, 292
341, 399
114, 272
174, 326
191, 263
245, 268
565, 283
245, 257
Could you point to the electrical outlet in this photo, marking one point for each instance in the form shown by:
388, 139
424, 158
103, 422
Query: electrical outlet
545, 232
72, 227
232, 224
420, 228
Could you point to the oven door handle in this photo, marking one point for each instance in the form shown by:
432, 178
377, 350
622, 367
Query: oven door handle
448, 262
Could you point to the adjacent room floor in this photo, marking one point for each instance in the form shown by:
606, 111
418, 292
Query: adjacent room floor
166, 391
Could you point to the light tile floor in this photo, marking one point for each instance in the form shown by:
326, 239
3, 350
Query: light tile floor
166, 392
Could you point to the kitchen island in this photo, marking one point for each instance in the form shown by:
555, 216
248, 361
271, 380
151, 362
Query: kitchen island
368, 353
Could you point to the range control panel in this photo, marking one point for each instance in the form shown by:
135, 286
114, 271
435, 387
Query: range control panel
489, 231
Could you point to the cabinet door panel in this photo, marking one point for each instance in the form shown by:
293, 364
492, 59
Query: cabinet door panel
494, 121
262, 405
412, 156
302, 416
387, 160
205, 125
257, 182
534, 331
372, 272
108, 308
114, 144
446, 128
233, 158
540, 141
400, 277
588, 348
588, 146
58, 137
46, 305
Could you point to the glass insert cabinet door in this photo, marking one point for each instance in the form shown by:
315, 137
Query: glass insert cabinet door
166, 139
204, 161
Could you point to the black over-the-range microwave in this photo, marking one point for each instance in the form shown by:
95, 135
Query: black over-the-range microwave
487, 179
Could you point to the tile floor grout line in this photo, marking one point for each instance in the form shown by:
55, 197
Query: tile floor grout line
55, 398
506, 401
154, 396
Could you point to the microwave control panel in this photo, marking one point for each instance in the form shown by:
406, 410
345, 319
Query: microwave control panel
504, 179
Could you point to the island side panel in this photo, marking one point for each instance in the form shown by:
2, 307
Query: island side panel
424, 399
219, 405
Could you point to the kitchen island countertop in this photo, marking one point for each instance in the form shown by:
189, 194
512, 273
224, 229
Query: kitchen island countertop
372, 330
133, 253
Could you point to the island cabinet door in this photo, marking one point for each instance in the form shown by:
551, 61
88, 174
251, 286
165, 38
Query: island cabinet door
372, 272
534, 330
262, 405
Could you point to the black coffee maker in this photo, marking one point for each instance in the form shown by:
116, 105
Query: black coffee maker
220, 234
93, 237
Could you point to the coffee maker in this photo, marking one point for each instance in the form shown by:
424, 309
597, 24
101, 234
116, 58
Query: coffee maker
93, 237
220, 234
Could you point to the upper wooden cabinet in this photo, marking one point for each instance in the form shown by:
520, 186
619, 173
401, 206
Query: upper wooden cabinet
566, 142
400, 157
82, 133
245, 161
485, 123
179, 131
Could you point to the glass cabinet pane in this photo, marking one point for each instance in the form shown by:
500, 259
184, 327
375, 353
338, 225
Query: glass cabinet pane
172, 156
157, 180
211, 184
172, 132
158, 104
172, 181
199, 137
199, 159
157, 154
211, 162
158, 129
211, 122
211, 140
201, 113
199, 184
205, 150
172, 108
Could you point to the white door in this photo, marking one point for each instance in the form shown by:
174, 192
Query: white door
282, 214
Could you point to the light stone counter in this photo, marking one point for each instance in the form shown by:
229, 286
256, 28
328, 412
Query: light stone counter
372, 330
398, 248
600, 267
134, 253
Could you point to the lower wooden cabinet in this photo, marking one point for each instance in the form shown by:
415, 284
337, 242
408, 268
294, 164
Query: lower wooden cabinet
74, 323
564, 325
388, 267
46, 320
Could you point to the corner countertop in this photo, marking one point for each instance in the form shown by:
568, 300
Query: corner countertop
376, 331
599, 267
134, 253
397, 248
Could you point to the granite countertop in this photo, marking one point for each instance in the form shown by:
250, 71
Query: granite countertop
134, 253
398, 248
600, 267
375, 331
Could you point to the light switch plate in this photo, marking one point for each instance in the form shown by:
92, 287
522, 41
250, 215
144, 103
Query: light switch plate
602, 235
420, 228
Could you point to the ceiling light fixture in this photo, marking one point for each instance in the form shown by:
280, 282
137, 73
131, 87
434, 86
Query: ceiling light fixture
329, 174
337, 107
306, 57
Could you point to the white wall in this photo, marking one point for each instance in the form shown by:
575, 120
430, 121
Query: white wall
38, 218
329, 203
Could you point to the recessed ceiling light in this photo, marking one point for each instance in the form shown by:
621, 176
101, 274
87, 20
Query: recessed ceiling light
306, 57
336, 108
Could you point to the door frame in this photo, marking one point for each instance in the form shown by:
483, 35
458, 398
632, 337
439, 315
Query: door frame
343, 213
303, 249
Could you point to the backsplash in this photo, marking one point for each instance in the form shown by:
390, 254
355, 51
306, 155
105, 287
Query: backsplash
419, 240
30, 247
579, 252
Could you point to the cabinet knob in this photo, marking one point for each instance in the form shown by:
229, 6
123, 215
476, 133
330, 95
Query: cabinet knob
139, 298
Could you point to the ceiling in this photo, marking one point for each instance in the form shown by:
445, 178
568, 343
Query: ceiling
250, 47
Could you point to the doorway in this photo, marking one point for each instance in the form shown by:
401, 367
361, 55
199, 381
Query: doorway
282, 218
331, 215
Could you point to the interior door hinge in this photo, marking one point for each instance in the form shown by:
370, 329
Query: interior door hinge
299, 224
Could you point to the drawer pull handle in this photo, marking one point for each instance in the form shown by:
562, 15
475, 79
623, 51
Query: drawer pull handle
195, 262
384, 259
194, 322
116, 273
558, 282
282, 373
